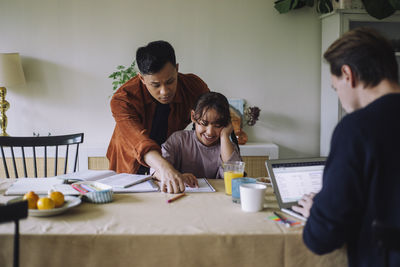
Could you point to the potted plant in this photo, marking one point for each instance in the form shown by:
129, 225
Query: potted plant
379, 9
122, 75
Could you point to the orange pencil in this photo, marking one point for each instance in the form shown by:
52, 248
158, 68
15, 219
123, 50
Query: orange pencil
175, 198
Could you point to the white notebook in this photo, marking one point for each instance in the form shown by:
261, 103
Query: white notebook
204, 186
108, 177
40, 186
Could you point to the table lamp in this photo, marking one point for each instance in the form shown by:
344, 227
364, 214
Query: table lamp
11, 74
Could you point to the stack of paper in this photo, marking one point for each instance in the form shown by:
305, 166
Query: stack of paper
40, 186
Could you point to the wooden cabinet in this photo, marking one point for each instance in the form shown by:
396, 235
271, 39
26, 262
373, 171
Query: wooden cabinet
333, 26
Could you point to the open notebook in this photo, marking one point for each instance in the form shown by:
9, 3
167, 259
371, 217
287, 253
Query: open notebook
121, 183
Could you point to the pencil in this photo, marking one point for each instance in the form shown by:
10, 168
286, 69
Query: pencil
79, 188
283, 219
175, 198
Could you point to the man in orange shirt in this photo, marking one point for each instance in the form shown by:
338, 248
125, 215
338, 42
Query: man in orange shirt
147, 110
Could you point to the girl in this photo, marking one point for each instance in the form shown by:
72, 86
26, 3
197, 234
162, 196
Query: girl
200, 152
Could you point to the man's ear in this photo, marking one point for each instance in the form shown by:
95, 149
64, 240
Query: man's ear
141, 77
177, 67
349, 76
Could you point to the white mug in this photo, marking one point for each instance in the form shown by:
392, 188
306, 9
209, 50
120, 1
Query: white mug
252, 197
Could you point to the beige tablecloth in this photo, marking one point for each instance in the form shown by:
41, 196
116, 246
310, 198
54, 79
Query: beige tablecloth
201, 229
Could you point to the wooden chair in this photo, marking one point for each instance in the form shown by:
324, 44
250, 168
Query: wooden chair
386, 238
41, 143
13, 213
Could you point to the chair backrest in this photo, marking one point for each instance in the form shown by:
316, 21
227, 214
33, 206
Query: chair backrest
387, 238
39, 143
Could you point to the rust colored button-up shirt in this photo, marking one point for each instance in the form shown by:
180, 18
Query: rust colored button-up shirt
133, 109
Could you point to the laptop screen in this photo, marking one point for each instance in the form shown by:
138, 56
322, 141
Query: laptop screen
295, 177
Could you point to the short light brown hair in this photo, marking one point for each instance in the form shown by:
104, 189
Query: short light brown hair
370, 56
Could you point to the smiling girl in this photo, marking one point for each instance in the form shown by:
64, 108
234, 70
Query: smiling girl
200, 152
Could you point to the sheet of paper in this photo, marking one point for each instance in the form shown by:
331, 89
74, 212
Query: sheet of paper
204, 186
87, 175
66, 189
148, 186
124, 180
40, 186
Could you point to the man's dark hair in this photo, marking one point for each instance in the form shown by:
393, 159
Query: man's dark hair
370, 56
152, 58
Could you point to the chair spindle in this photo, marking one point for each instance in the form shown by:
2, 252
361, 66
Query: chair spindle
76, 157
56, 161
45, 161
34, 160
14, 163
66, 160
24, 161
4, 163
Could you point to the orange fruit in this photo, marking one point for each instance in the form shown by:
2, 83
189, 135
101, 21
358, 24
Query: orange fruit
57, 197
45, 203
32, 199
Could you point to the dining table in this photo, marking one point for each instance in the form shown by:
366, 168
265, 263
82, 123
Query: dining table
143, 229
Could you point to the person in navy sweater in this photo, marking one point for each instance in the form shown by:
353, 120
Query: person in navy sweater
361, 180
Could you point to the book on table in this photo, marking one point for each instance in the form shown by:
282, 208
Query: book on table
121, 183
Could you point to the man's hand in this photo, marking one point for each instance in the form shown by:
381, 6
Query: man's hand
305, 204
190, 180
171, 180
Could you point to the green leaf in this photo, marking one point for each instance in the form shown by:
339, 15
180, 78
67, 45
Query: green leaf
283, 6
122, 75
324, 6
379, 9
395, 4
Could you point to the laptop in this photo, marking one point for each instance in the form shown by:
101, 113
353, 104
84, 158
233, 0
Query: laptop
292, 178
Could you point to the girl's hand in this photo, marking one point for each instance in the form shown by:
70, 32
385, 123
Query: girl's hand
227, 130
190, 180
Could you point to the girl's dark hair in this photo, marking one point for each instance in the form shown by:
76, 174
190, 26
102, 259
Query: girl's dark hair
218, 102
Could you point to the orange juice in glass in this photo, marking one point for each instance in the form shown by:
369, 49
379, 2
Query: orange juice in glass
232, 170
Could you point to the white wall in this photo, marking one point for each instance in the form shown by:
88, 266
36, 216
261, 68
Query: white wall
242, 48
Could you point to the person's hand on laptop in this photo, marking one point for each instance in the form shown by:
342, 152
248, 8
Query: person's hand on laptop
305, 204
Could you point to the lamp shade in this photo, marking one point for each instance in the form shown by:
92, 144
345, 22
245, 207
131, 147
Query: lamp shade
11, 72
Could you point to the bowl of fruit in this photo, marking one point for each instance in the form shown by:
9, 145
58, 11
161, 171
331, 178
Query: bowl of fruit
49, 205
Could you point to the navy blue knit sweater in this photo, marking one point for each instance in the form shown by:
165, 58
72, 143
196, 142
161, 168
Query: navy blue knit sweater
361, 183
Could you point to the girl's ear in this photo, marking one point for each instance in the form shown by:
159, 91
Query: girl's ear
192, 116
